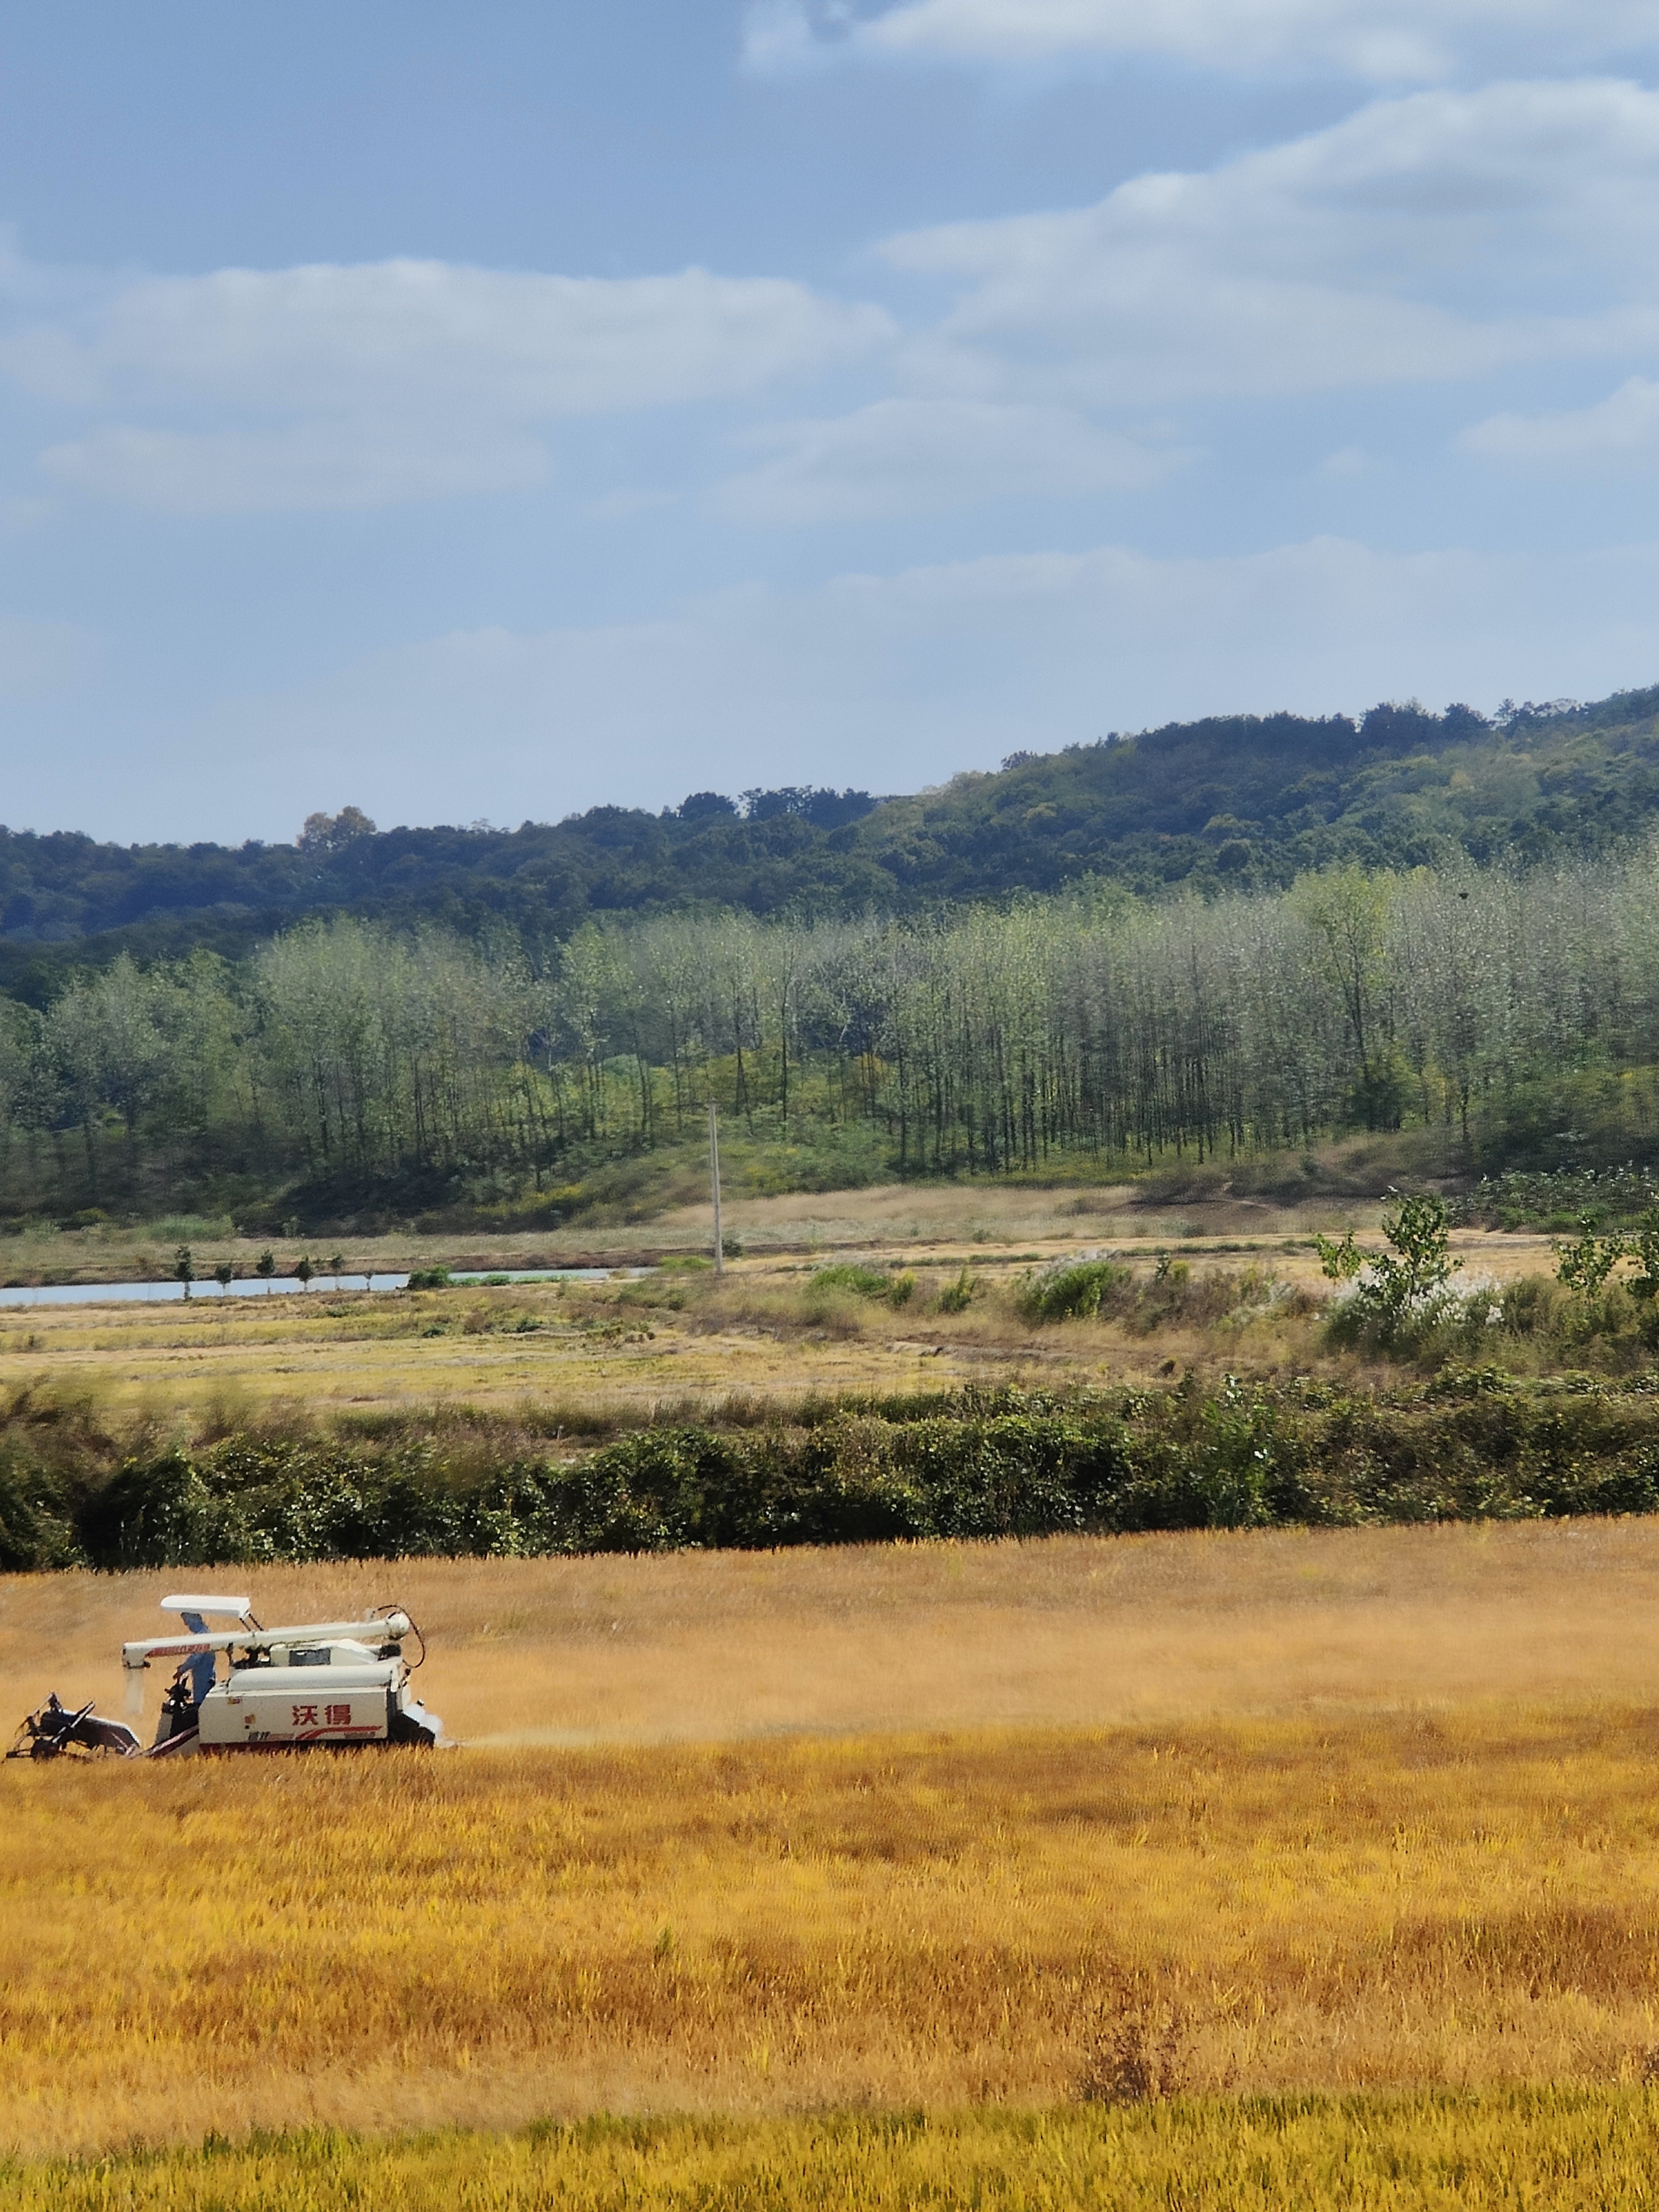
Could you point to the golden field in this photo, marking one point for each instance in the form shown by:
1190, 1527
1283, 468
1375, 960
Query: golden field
1070, 1631
948, 1827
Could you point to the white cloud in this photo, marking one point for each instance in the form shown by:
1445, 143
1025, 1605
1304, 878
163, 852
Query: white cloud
353, 386
306, 465
1440, 235
522, 342
1621, 432
905, 456
1381, 41
895, 681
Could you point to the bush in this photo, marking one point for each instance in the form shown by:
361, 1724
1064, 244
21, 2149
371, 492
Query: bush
866, 1283
430, 1278
36, 1518
1473, 1444
1399, 1298
1073, 1290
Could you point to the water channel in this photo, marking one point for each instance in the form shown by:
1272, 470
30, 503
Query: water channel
91, 1294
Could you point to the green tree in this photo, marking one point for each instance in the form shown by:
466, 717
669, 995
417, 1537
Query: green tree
1402, 1288
1585, 1264
1644, 1248
1347, 913
1340, 1263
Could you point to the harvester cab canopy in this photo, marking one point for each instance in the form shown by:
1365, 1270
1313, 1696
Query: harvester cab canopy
195, 1609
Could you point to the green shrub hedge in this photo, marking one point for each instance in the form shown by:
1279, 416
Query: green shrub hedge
1468, 1446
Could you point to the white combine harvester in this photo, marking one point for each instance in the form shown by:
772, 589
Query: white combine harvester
333, 1683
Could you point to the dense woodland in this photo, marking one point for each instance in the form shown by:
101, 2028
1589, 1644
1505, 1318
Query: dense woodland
1236, 801
347, 1069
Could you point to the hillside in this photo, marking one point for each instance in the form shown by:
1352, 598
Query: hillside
1232, 801
1261, 799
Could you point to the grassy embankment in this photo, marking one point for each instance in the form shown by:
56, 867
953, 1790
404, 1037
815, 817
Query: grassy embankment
669, 1213
767, 1329
658, 1203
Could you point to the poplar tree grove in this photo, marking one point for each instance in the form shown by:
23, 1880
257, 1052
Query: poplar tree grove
1507, 1007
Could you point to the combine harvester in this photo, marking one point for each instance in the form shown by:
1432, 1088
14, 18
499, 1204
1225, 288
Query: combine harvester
337, 1684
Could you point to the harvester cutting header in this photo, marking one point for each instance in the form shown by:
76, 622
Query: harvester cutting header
337, 1684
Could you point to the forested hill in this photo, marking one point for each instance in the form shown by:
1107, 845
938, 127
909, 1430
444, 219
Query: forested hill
1232, 801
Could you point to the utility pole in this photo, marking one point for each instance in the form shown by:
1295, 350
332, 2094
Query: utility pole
715, 1184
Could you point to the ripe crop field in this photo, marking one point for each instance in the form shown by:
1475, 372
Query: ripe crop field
1579, 2150
1072, 1633
928, 1922
1005, 1832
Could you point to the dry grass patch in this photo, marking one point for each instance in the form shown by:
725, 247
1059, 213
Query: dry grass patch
1070, 1631
770, 1327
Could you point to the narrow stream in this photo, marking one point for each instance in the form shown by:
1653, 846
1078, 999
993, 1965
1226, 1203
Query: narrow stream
91, 1294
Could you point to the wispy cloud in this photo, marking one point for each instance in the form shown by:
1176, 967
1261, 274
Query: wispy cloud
341, 385
900, 679
1430, 238
1619, 432
1378, 41
291, 467
910, 456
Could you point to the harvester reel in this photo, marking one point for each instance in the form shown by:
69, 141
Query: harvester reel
53, 1731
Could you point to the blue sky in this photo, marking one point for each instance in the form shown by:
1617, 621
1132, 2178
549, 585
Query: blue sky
484, 414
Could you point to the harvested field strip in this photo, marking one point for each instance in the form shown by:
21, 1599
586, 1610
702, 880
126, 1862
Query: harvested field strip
1075, 1632
1011, 1918
1570, 2148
